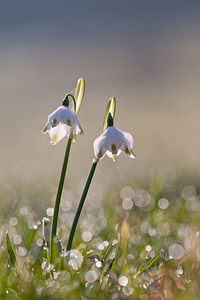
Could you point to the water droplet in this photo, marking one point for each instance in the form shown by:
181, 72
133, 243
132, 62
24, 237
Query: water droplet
176, 251
179, 270
127, 204
55, 275
127, 192
163, 203
163, 228
23, 211
142, 198
144, 227
39, 242
87, 236
105, 243
74, 259
43, 265
189, 192
152, 232
123, 281
91, 276
13, 221
17, 239
101, 246
49, 211
127, 291
50, 282
148, 248
22, 251
98, 264
114, 242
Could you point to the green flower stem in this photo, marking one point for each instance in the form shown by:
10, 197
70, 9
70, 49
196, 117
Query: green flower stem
58, 196
79, 209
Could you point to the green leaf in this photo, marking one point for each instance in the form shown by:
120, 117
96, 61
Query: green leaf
79, 93
10, 250
109, 109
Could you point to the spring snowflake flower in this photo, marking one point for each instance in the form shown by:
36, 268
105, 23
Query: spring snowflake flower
63, 121
112, 142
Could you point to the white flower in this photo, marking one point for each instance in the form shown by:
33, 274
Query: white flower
112, 142
46, 229
63, 121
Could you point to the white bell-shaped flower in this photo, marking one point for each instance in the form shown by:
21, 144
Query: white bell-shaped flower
112, 142
63, 121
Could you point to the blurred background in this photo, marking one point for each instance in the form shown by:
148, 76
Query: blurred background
145, 53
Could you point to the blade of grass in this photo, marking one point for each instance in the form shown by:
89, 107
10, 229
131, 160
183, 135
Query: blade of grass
30, 238
105, 253
151, 261
10, 250
116, 252
109, 267
144, 267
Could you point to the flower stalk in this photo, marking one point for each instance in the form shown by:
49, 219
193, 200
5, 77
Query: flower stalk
58, 197
80, 206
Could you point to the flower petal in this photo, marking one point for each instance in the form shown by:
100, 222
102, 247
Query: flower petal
57, 133
128, 144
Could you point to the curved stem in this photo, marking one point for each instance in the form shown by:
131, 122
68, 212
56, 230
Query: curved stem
74, 101
79, 209
58, 196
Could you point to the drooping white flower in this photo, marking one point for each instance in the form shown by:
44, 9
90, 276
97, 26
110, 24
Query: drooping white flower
63, 121
112, 142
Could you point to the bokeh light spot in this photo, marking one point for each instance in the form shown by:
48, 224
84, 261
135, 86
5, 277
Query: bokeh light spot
49, 211
91, 276
163, 203
176, 251
123, 281
87, 236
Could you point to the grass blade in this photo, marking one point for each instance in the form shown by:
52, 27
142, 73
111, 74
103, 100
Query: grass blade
144, 267
105, 253
151, 261
11, 253
30, 238
116, 252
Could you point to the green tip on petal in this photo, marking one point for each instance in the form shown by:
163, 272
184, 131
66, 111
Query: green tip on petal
44, 130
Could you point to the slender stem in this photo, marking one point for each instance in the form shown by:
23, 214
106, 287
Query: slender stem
74, 101
79, 209
58, 196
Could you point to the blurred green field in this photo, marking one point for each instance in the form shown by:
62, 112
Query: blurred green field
157, 256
